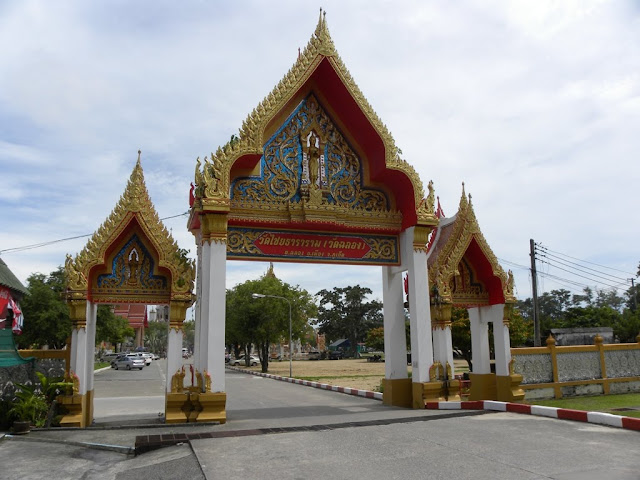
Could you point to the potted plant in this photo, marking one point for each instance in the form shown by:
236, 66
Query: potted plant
30, 408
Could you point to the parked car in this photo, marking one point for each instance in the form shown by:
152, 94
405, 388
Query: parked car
155, 356
109, 357
314, 355
147, 357
241, 361
336, 355
128, 361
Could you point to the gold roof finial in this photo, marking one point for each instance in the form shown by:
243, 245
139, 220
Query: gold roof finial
463, 199
139, 153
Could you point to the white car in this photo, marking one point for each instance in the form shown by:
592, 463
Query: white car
147, 357
241, 361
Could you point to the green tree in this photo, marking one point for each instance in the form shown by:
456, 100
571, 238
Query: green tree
375, 339
111, 328
264, 321
155, 337
343, 313
46, 315
189, 334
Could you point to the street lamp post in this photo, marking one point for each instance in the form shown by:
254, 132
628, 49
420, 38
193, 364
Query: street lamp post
260, 295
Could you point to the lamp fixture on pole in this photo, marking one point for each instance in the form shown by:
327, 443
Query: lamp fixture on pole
260, 295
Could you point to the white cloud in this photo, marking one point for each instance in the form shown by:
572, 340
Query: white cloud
535, 105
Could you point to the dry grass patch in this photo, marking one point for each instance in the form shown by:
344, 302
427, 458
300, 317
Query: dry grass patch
353, 373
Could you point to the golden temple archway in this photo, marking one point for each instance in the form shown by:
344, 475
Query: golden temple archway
131, 258
464, 272
315, 176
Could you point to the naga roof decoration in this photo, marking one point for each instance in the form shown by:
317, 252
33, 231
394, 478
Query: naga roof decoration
134, 206
449, 253
213, 178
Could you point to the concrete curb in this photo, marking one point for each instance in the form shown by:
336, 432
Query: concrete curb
307, 383
599, 418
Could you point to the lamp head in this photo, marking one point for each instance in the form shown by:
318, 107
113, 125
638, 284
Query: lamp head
257, 295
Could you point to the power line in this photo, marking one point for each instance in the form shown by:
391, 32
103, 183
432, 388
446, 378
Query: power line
578, 275
583, 261
544, 258
582, 268
51, 242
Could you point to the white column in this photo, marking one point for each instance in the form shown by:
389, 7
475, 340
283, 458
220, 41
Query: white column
395, 342
204, 301
501, 341
73, 357
443, 346
421, 342
480, 356
79, 360
174, 353
215, 291
92, 315
198, 305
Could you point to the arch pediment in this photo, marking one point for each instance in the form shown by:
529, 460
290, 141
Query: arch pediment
318, 73
462, 267
132, 256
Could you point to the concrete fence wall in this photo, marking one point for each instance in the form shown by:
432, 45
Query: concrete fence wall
555, 372
51, 363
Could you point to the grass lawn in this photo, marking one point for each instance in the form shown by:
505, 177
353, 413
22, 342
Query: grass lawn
626, 404
98, 365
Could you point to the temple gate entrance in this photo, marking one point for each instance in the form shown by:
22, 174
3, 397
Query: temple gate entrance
315, 176
131, 258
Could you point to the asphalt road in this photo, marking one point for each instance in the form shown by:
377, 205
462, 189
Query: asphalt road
130, 395
286, 431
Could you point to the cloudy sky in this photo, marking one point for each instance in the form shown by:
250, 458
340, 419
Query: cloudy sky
534, 105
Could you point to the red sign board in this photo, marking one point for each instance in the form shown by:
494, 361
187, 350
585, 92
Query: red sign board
312, 247
289, 244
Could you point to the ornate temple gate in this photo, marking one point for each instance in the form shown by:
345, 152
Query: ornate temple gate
464, 272
131, 258
315, 176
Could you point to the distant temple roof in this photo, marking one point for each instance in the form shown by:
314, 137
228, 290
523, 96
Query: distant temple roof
8, 279
136, 313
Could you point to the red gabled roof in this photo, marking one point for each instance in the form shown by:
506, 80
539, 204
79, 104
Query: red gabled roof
135, 313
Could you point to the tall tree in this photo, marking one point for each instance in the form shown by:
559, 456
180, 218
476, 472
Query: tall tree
264, 321
46, 315
111, 328
344, 313
156, 337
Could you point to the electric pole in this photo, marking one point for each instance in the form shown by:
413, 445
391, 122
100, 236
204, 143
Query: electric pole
534, 285
635, 294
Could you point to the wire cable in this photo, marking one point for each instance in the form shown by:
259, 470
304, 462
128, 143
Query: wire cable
51, 242
583, 261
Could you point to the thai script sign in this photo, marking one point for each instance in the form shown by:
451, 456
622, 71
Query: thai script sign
243, 243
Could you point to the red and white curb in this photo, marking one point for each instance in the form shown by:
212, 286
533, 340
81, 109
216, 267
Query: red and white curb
600, 418
323, 386
551, 412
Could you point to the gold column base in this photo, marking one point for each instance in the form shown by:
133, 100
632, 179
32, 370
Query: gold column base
213, 407
177, 407
483, 386
88, 408
453, 391
508, 388
437, 391
397, 392
75, 406
194, 401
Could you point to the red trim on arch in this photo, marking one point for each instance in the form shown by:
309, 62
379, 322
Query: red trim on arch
357, 127
484, 270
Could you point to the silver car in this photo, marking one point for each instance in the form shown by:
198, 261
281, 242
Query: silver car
128, 361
